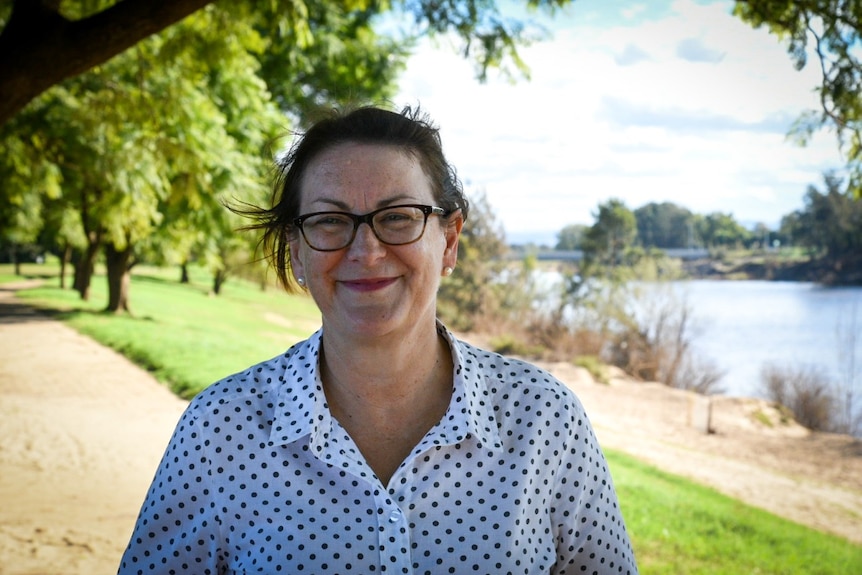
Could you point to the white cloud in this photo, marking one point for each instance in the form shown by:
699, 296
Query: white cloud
680, 102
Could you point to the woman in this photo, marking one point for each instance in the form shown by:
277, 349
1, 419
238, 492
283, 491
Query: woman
381, 443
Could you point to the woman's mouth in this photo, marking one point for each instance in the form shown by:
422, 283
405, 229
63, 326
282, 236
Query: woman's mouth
368, 285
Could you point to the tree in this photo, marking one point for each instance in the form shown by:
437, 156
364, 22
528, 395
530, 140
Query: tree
182, 103
470, 293
830, 224
608, 242
570, 237
720, 230
834, 27
664, 225
761, 235
44, 42
25, 179
128, 134
160, 138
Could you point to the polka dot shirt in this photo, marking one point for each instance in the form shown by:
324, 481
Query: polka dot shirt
260, 478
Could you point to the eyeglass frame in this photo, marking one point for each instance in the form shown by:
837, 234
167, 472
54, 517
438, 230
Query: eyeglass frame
368, 218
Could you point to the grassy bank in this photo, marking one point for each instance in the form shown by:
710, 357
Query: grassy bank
185, 337
682, 528
189, 339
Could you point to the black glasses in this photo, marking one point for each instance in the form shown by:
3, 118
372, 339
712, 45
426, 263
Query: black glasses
393, 225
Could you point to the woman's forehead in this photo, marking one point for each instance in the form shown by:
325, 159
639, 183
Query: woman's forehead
374, 174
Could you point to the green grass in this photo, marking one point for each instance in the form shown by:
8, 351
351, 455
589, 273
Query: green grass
189, 339
28, 271
679, 527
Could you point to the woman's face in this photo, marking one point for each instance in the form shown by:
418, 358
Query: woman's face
370, 288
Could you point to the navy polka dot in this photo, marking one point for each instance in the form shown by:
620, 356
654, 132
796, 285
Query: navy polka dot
260, 478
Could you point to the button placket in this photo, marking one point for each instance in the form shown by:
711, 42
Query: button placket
393, 537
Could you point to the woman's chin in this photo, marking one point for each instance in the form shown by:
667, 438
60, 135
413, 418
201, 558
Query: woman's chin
376, 322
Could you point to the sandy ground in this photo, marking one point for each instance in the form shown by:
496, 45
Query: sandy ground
83, 430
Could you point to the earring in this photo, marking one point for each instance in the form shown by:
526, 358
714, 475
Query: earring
447, 271
301, 282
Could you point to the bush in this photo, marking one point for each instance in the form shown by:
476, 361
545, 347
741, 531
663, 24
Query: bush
594, 365
653, 336
699, 375
509, 345
805, 390
472, 294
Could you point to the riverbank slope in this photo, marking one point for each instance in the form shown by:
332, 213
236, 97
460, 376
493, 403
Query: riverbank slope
846, 272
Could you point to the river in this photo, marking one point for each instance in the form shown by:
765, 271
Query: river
743, 325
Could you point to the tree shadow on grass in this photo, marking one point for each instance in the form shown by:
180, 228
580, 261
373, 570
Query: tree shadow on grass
173, 283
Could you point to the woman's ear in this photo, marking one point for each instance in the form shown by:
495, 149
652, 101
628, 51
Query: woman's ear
453, 233
297, 267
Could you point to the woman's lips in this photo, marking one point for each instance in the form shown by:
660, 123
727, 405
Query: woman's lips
368, 285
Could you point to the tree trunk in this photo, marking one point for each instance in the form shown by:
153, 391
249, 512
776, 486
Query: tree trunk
86, 266
184, 273
118, 264
218, 280
64, 262
13, 251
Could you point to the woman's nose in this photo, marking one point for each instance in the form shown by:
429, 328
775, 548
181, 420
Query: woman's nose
365, 243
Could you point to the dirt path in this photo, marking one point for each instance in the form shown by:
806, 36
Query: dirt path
83, 430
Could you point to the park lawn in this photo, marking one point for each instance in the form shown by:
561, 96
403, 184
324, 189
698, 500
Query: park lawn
184, 336
680, 527
188, 339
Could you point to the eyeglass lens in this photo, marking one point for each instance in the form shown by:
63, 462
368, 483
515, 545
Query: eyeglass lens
335, 230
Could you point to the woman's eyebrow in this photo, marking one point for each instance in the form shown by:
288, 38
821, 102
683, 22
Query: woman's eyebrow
335, 203
340, 204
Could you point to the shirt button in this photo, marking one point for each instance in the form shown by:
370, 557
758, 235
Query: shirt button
394, 516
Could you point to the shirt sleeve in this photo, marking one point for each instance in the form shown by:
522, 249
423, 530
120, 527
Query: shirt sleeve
591, 533
177, 530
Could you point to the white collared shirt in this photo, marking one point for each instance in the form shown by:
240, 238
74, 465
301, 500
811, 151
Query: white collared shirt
260, 478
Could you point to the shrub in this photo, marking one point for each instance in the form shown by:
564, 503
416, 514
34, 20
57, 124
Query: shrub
594, 365
652, 339
472, 293
805, 390
509, 345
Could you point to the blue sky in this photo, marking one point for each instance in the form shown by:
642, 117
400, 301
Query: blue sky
665, 100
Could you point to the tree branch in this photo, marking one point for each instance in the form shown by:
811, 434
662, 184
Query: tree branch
40, 48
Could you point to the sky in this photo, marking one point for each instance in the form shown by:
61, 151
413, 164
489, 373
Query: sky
652, 101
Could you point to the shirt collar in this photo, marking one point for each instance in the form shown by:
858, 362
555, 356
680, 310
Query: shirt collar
471, 405
300, 400
301, 407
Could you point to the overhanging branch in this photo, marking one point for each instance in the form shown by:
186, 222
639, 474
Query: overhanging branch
40, 48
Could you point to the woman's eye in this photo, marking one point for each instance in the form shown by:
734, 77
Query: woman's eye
332, 221
395, 217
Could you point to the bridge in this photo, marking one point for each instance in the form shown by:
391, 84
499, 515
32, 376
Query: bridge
578, 255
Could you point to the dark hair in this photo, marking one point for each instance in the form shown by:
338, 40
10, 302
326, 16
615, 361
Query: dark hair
409, 130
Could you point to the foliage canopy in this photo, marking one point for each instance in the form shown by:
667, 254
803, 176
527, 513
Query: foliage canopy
832, 31
45, 42
136, 156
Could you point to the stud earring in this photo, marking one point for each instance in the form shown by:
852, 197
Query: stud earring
447, 271
301, 282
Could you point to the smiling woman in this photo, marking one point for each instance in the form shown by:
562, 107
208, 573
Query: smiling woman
382, 443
